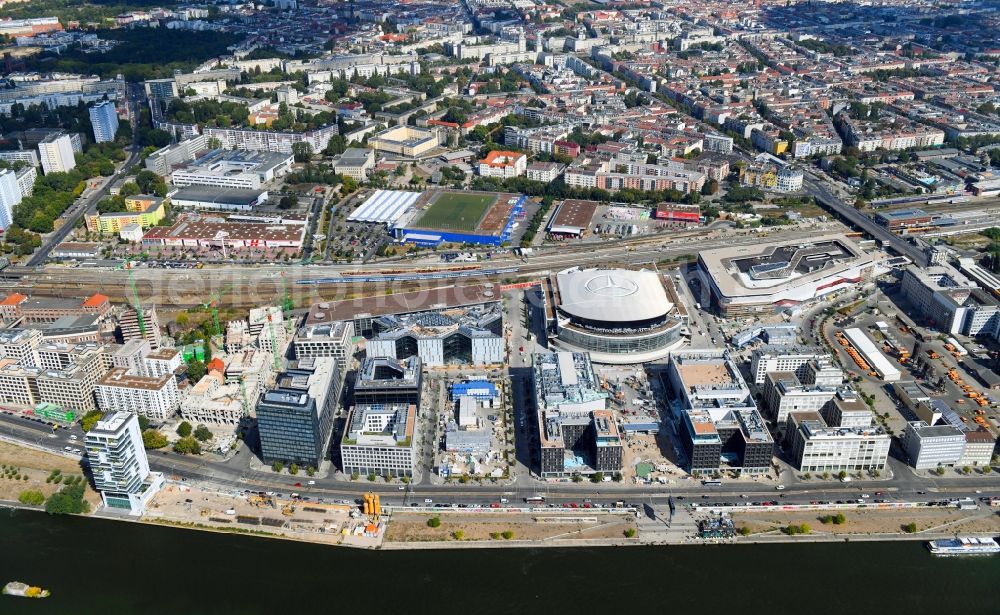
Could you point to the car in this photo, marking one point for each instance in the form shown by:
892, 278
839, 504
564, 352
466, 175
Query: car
67, 448
399, 488
72, 437
297, 485
865, 496
312, 482
428, 501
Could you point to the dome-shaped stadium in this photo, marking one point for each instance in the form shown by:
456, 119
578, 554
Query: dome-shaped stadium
618, 315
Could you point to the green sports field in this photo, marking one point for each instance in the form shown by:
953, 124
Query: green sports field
456, 211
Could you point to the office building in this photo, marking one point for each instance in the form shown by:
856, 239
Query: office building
847, 409
784, 393
718, 416
577, 434
325, 340
295, 418
469, 336
794, 359
383, 380
118, 464
21, 345
928, 447
379, 440
104, 119
56, 153
817, 447
979, 447
953, 302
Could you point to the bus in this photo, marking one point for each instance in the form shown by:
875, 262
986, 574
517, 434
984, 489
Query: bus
537, 499
711, 483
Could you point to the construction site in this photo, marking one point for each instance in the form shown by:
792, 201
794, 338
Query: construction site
297, 516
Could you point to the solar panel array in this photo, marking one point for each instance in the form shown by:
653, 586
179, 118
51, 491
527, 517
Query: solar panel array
385, 206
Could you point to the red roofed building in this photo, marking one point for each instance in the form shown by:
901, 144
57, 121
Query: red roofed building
51, 309
10, 307
503, 164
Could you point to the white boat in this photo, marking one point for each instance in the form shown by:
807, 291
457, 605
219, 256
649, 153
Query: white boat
23, 590
964, 545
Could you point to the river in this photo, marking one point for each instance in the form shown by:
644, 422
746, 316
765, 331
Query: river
108, 567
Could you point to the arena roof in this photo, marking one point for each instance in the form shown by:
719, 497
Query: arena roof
612, 295
384, 206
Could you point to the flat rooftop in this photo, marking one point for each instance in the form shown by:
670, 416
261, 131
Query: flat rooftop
574, 213
401, 303
763, 269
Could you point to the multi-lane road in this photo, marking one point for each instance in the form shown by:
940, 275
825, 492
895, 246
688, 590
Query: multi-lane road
235, 474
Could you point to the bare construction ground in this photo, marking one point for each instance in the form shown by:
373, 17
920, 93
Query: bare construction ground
412, 527
868, 522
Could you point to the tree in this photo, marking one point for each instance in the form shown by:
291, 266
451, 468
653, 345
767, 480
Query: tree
910, 528
143, 423
710, 187
184, 429
67, 501
152, 439
196, 370
629, 532
288, 202
310, 471
839, 519
277, 466
744, 531
458, 534
372, 478
293, 469
597, 477
31, 497
842, 474
187, 446
434, 522
90, 419
302, 151
507, 534
203, 433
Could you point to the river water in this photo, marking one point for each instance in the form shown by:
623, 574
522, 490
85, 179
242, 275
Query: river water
107, 567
